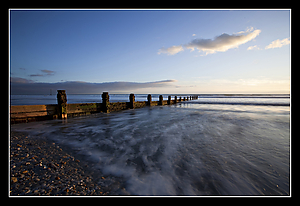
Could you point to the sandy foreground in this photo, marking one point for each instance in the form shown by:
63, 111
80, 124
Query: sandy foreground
41, 167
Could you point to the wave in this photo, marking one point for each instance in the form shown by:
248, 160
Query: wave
251, 97
241, 103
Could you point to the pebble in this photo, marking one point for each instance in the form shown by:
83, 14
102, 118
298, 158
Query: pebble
40, 167
14, 179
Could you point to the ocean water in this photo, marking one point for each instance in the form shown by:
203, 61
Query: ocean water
208, 99
77, 98
211, 146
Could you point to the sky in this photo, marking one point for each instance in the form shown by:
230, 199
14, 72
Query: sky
150, 51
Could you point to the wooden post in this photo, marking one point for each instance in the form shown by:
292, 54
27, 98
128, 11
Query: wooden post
62, 104
131, 100
183, 98
175, 99
180, 98
187, 98
149, 99
105, 102
160, 100
169, 100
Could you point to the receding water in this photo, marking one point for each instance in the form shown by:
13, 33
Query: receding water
184, 149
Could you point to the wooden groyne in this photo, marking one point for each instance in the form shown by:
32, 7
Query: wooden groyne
63, 110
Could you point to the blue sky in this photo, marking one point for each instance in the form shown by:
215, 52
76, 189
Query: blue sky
150, 51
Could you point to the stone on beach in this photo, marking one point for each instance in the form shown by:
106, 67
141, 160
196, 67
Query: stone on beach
41, 168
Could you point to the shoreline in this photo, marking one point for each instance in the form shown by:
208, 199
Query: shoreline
39, 166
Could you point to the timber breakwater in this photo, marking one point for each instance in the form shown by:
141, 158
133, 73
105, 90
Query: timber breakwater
63, 110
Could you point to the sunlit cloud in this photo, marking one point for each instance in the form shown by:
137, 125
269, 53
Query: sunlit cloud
223, 42
220, 43
171, 50
255, 47
278, 43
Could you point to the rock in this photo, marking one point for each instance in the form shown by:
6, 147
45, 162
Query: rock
14, 179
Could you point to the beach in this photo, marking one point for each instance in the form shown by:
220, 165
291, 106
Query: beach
231, 146
40, 167
149, 102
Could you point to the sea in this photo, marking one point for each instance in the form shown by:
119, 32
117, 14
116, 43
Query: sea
216, 145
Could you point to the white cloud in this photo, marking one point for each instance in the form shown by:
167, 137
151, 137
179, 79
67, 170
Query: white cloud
194, 34
220, 43
278, 43
249, 29
255, 47
171, 50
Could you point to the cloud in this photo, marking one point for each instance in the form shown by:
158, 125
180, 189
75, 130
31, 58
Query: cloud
36, 75
171, 50
255, 47
20, 80
278, 43
220, 43
48, 72
45, 71
24, 86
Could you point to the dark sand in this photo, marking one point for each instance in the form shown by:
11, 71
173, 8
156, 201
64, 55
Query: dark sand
41, 167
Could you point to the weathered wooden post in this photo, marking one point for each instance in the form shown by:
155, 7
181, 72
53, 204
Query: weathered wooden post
62, 104
169, 100
131, 101
149, 99
105, 102
187, 98
160, 100
180, 98
183, 98
175, 99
